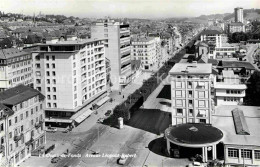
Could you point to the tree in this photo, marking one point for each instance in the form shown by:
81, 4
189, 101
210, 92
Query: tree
253, 89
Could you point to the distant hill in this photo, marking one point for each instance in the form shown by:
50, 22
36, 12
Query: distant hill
249, 14
213, 16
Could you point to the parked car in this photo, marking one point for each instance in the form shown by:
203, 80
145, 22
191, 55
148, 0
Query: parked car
195, 164
100, 120
108, 113
55, 159
122, 160
51, 129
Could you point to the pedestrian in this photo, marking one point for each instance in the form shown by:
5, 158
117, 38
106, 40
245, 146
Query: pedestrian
123, 96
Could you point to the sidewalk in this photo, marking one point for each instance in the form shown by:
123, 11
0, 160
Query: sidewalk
129, 89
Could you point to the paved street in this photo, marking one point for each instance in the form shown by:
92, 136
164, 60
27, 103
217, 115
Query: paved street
90, 137
251, 53
84, 135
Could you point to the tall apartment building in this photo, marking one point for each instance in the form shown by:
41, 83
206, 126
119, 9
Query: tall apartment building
191, 93
239, 15
22, 129
146, 50
118, 50
72, 76
15, 68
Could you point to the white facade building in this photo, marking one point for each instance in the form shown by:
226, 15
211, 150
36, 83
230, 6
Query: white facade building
72, 75
228, 89
22, 129
15, 68
147, 50
191, 93
118, 50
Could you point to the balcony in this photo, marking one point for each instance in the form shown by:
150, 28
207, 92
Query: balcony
124, 40
125, 49
83, 70
29, 142
100, 77
126, 68
100, 71
18, 137
125, 59
99, 51
98, 58
37, 125
100, 83
97, 65
125, 32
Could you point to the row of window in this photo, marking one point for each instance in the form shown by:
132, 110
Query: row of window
26, 103
14, 66
48, 81
53, 89
18, 79
201, 103
233, 91
15, 59
52, 57
53, 105
200, 85
232, 99
48, 73
17, 119
178, 93
245, 153
21, 71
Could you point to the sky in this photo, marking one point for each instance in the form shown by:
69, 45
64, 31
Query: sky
126, 8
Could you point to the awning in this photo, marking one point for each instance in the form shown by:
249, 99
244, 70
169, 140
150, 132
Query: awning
83, 116
58, 120
102, 101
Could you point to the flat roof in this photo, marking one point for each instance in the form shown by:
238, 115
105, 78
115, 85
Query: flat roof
144, 39
73, 42
191, 68
238, 64
193, 134
223, 119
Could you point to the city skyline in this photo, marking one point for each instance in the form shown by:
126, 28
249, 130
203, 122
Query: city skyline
126, 8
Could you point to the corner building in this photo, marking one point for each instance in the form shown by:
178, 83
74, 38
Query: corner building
22, 129
72, 76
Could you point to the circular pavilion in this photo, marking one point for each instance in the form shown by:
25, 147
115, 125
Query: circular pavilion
194, 135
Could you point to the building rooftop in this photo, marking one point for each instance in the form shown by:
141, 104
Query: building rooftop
11, 52
191, 68
144, 39
238, 64
18, 94
223, 120
210, 32
236, 24
193, 134
72, 42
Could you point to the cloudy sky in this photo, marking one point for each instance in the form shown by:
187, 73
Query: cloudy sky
126, 8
